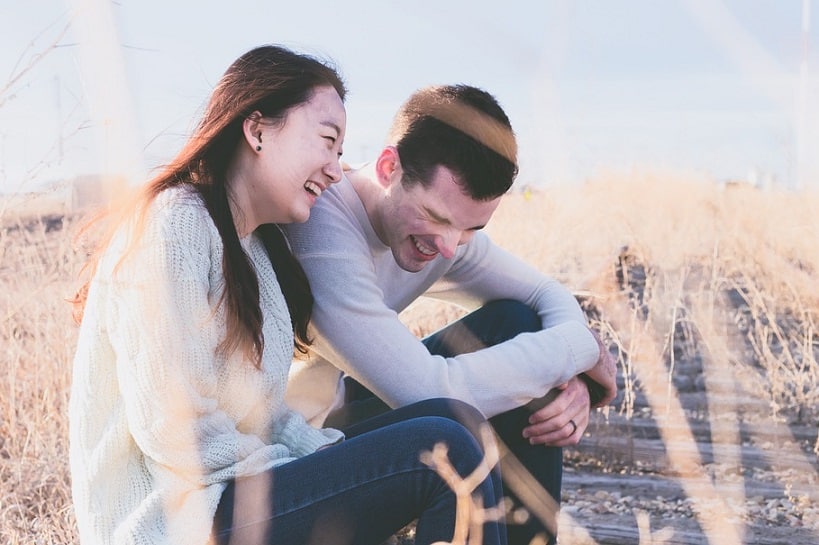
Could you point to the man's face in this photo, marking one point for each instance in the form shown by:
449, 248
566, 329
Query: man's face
418, 223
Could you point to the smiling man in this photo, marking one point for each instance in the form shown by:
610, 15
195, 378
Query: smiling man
409, 224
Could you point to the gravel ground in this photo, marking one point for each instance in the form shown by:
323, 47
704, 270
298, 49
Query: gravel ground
770, 498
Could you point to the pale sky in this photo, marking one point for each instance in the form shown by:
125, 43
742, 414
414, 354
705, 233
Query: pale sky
720, 88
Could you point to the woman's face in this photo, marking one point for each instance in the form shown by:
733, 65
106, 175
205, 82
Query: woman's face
298, 160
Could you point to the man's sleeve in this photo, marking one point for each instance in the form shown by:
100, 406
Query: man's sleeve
485, 272
366, 339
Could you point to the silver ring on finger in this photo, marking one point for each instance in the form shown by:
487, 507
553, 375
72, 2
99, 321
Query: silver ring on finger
574, 427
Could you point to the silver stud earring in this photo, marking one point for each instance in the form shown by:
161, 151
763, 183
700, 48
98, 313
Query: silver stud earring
258, 148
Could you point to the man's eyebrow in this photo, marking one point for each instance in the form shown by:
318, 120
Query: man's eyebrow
332, 126
436, 216
440, 219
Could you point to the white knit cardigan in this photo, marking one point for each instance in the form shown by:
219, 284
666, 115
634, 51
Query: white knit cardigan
159, 420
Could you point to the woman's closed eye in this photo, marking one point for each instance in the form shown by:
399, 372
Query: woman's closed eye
333, 140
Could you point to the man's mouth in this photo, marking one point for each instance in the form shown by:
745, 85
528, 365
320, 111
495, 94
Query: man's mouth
422, 248
312, 188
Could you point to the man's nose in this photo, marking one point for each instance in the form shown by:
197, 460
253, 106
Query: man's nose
449, 242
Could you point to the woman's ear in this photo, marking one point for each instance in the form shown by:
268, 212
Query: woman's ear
388, 166
252, 130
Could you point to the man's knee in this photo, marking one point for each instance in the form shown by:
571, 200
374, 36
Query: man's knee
495, 322
517, 315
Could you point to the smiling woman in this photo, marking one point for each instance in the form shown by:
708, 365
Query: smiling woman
189, 319
305, 147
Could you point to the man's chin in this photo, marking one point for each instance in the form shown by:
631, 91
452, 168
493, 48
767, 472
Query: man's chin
410, 265
414, 268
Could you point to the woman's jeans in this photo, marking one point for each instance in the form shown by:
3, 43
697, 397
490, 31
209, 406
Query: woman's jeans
366, 488
493, 323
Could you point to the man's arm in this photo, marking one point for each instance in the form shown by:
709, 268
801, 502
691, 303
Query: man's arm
563, 420
360, 334
489, 272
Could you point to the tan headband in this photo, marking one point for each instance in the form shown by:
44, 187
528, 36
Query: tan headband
485, 129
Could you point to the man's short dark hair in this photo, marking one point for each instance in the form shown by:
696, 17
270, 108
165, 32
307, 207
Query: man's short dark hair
459, 127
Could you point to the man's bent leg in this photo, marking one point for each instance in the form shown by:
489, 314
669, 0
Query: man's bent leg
495, 323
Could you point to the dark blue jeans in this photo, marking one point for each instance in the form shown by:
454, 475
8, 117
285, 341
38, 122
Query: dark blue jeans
493, 323
366, 488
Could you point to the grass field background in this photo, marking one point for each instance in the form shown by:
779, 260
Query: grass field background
666, 266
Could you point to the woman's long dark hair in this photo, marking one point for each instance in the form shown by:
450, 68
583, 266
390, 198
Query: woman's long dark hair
271, 80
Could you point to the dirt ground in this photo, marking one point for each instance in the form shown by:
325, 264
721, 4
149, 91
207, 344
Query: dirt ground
756, 476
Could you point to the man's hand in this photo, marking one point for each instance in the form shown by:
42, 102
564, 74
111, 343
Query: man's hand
562, 421
603, 376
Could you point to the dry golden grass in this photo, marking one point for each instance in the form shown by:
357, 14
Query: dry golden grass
733, 266
37, 335
732, 272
